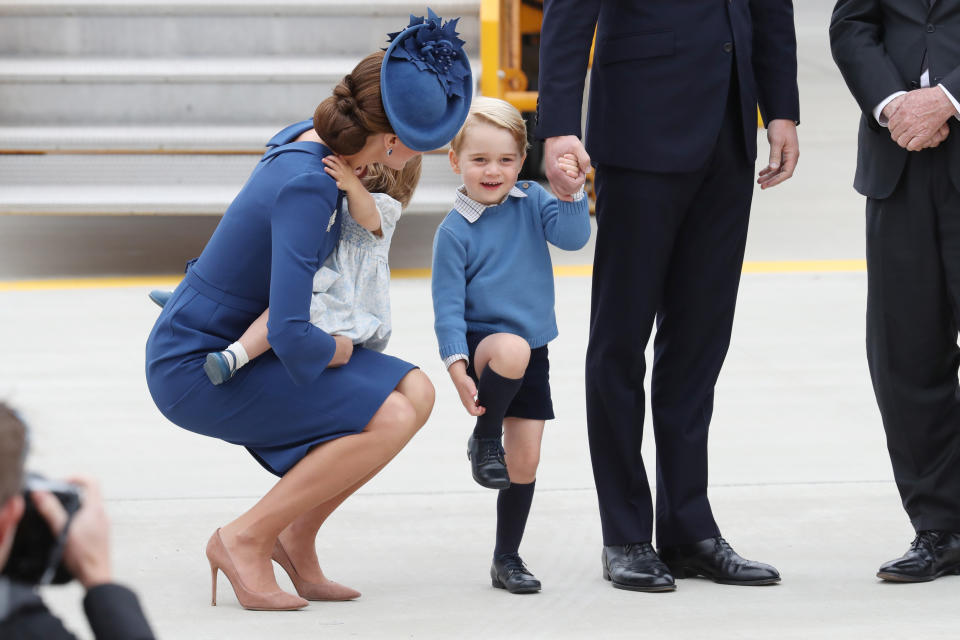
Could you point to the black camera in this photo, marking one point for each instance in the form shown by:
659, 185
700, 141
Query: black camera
36, 555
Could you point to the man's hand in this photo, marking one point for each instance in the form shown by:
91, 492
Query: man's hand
87, 552
466, 388
892, 107
784, 153
343, 353
562, 184
917, 121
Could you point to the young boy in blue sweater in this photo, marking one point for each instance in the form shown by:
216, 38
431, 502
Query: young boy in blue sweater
493, 308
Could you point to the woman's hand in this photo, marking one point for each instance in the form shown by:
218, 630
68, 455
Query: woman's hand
344, 174
342, 355
466, 388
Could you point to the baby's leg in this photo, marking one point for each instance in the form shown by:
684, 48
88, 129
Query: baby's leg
220, 366
254, 339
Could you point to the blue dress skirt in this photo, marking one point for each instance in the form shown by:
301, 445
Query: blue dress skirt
267, 247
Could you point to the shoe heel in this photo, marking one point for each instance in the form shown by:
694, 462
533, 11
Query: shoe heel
213, 580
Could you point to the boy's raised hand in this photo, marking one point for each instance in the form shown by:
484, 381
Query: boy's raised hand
343, 173
466, 387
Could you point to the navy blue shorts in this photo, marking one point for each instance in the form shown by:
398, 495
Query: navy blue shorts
533, 401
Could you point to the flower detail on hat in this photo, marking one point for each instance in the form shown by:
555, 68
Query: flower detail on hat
434, 47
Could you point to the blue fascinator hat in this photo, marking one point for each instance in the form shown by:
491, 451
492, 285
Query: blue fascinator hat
425, 82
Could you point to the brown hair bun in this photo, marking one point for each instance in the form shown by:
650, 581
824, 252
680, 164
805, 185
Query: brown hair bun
354, 112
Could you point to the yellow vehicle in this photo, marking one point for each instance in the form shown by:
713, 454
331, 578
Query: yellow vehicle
510, 60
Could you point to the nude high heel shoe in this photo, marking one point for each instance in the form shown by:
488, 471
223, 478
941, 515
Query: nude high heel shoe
219, 558
327, 590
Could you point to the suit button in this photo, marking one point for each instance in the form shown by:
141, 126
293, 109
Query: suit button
931, 28
728, 47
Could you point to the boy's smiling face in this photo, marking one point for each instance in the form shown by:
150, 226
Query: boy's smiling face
489, 162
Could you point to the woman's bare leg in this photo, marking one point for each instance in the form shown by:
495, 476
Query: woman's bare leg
299, 537
323, 479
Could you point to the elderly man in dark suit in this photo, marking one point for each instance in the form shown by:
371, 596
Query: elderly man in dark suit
671, 128
901, 61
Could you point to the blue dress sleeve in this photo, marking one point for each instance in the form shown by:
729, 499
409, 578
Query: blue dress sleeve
301, 238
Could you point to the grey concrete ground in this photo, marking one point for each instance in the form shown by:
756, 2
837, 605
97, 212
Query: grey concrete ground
799, 472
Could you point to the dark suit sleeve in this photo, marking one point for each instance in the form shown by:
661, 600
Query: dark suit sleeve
775, 59
565, 38
856, 39
952, 83
114, 613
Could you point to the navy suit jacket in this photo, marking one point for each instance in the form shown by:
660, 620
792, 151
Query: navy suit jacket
661, 73
878, 46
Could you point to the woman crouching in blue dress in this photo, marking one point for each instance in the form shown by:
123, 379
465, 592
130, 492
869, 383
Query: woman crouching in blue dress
320, 413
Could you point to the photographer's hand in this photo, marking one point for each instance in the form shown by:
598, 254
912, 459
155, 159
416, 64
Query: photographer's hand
87, 552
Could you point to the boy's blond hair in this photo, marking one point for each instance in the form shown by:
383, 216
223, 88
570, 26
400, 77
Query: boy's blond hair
398, 184
499, 113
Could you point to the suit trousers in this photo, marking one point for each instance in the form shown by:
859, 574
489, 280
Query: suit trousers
913, 311
669, 249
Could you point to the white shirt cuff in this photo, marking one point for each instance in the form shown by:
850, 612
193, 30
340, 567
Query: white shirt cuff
581, 194
449, 360
956, 105
878, 111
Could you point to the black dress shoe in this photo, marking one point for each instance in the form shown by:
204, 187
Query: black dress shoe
636, 567
931, 555
508, 572
487, 465
713, 558
160, 297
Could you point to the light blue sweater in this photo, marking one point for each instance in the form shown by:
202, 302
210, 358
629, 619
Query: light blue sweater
495, 275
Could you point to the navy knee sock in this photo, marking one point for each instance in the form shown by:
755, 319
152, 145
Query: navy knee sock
494, 393
513, 506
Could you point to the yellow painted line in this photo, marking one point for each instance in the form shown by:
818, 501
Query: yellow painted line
805, 266
562, 271
90, 283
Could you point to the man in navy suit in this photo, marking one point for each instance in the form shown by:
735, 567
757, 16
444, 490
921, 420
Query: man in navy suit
901, 60
671, 130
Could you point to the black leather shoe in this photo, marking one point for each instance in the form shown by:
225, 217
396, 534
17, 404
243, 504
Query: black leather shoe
636, 567
508, 572
160, 297
487, 465
931, 555
713, 558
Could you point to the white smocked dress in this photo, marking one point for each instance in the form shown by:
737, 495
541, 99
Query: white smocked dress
351, 291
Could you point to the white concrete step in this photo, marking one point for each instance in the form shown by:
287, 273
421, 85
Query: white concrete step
214, 27
171, 91
206, 137
174, 183
160, 200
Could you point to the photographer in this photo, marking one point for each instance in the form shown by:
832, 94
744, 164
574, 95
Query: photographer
112, 610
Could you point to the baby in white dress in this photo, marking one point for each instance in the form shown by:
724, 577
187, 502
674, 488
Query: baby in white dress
351, 291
